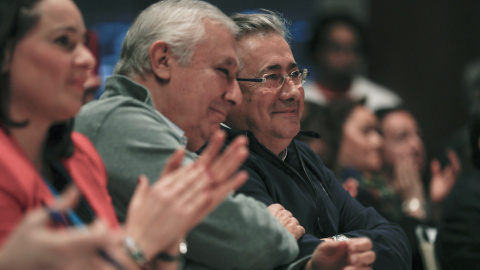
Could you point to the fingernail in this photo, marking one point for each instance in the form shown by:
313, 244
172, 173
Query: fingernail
139, 178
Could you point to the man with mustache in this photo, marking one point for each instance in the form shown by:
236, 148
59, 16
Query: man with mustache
286, 174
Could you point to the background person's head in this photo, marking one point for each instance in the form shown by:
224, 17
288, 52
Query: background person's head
350, 137
337, 47
271, 109
361, 143
184, 53
402, 137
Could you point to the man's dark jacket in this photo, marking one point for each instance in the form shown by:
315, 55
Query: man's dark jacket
305, 187
458, 240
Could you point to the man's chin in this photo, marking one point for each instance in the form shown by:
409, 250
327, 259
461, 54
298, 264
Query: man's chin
288, 133
206, 136
213, 129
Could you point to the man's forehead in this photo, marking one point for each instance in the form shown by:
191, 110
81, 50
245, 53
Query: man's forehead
267, 53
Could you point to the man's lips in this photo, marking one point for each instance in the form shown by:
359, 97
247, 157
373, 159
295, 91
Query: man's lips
220, 111
285, 111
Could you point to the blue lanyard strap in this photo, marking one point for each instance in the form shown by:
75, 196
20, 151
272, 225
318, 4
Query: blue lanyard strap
74, 218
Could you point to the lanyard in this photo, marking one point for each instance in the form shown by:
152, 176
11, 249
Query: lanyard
74, 218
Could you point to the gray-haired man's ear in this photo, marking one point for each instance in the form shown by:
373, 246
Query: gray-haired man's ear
160, 59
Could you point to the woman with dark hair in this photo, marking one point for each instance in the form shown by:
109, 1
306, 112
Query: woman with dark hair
351, 147
44, 65
350, 133
385, 171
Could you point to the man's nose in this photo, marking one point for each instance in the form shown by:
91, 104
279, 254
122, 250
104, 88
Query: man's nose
290, 90
233, 94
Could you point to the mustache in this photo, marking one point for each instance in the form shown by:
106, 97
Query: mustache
285, 105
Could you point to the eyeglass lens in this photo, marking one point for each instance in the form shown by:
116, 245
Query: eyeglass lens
277, 81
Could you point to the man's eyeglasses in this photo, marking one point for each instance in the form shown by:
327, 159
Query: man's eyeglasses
274, 80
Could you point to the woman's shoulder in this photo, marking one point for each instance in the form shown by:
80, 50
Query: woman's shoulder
87, 170
85, 157
85, 150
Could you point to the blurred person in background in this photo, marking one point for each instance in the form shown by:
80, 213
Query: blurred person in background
384, 171
353, 148
405, 159
339, 49
457, 244
459, 140
404, 167
350, 143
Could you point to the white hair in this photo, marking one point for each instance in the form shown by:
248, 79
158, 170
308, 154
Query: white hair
180, 23
261, 24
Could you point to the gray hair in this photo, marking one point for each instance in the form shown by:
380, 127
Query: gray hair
180, 23
261, 24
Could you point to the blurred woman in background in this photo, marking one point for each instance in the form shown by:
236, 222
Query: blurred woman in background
381, 162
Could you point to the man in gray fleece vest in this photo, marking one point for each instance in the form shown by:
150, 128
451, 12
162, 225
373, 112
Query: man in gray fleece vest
173, 85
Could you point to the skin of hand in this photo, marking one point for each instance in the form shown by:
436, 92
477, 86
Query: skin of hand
287, 219
351, 185
407, 180
35, 244
442, 181
408, 183
161, 215
354, 254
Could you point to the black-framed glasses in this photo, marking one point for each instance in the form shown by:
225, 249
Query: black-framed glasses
275, 80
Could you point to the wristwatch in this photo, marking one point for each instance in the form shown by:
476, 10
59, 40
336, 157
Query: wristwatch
182, 248
132, 249
340, 237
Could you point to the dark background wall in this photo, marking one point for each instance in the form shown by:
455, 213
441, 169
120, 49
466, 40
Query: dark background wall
420, 49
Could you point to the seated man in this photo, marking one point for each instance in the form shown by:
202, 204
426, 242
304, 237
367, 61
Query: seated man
287, 174
457, 244
175, 80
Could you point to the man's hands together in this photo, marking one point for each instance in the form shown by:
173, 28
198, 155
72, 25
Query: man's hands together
354, 254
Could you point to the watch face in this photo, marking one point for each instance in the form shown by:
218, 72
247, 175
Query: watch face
183, 248
340, 237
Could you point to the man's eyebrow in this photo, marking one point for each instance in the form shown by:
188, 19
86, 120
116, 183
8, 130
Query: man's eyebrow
292, 66
277, 67
272, 68
229, 61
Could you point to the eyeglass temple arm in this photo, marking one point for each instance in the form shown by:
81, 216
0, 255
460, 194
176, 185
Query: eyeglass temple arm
250, 80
